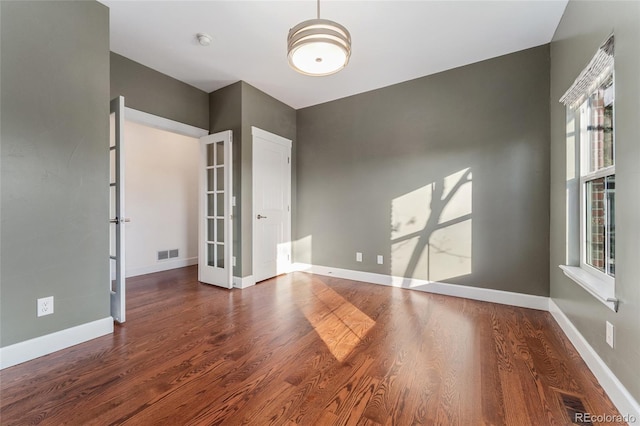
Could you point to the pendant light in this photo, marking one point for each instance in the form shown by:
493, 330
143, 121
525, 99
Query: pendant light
318, 47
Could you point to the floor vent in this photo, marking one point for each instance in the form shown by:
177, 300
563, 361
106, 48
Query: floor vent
575, 409
163, 255
173, 253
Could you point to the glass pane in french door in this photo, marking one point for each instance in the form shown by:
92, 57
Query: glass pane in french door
219, 204
220, 255
112, 165
210, 153
220, 178
112, 274
220, 153
211, 254
211, 174
215, 205
220, 230
112, 130
211, 235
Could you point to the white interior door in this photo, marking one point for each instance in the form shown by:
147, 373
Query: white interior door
271, 204
116, 210
215, 212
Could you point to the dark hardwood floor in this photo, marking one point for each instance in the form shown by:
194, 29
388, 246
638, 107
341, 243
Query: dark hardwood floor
307, 350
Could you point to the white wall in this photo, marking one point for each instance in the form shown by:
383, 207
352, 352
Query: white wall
161, 198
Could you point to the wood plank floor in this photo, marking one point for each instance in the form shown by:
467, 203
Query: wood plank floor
307, 350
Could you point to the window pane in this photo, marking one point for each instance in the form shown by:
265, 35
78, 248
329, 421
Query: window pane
600, 126
595, 224
610, 191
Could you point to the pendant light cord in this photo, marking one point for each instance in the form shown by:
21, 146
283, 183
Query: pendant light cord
318, 9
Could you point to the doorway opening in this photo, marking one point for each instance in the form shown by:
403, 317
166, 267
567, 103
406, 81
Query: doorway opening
161, 199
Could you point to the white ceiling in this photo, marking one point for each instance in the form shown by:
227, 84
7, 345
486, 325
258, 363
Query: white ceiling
393, 41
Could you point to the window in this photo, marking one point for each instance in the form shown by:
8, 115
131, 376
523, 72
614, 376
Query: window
598, 182
591, 187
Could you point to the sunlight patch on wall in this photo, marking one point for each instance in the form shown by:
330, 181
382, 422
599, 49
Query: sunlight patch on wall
431, 229
340, 324
302, 247
409, 215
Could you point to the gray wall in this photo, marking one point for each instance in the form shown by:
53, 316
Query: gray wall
367, 164
54, 165
150, 91
238, 107
584, 26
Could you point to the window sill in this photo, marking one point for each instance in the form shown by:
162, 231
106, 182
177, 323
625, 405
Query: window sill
596, 287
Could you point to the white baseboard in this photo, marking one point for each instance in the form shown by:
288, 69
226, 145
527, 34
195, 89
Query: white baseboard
243, 282
49, 343
164, 265
475, 293
620, 396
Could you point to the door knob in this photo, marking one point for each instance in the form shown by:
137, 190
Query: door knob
118, 221
261, 217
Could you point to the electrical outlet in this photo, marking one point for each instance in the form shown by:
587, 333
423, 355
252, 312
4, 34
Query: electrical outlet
609, 334
380, 259
358, 257
45, 306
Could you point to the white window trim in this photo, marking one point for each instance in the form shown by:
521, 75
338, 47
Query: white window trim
597, 283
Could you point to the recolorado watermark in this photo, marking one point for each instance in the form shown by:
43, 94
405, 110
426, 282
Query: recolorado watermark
604, 418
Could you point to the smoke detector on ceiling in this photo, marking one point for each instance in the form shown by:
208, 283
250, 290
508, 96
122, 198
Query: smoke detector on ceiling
204, 39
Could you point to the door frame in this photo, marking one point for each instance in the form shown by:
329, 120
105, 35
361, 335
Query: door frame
154, 121
162, 123
287, 143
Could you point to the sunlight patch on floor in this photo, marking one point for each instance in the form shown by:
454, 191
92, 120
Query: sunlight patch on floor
340, 324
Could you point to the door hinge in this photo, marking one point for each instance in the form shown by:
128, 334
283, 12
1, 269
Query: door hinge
288, 160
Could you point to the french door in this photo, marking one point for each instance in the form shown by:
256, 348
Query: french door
116, 210
215, 212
